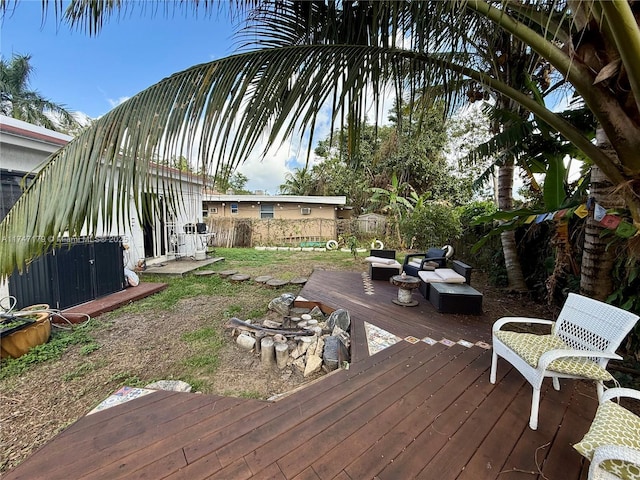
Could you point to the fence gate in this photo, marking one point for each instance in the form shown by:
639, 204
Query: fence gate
242, 234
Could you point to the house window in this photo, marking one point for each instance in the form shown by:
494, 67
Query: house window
234, 208
266, 211
10, 190
205, 213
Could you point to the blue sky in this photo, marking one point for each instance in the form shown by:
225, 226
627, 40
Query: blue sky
90, 74
94, 74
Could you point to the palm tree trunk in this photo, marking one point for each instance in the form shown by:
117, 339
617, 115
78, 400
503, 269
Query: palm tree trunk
508, 238
596, 280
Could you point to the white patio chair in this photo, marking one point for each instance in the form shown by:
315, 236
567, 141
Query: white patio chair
612, 443
582, 341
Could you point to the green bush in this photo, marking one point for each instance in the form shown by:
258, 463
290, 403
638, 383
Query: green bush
431, 224
488, 258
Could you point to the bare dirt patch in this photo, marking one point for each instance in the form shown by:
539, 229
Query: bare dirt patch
139, 348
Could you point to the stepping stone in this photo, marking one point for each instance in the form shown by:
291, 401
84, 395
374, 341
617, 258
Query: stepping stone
239, 277
170, 385
298, 281
275, 283
263, 278
227, 273
204, 273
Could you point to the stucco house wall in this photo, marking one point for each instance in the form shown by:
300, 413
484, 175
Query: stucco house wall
245, 220
279, 206
24, 148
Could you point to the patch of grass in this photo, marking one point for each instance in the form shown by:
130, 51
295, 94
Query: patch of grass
232, 311
244, 394
207, 343
206, 362
89, 348
284, 265
179, 288
60, 341
82, 370
257, 312
197, 385
204, 334
127, 378
244, 259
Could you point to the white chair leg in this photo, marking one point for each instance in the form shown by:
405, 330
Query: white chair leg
556, 383
494, 367
535, 402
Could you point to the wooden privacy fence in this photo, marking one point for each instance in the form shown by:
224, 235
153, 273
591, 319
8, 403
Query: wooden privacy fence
249, 232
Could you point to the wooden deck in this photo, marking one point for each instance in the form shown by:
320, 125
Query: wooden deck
409, 411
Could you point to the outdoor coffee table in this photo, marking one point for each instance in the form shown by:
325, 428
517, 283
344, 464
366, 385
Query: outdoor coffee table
406, 285
455, 298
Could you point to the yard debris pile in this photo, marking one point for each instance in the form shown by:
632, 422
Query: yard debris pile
307, 339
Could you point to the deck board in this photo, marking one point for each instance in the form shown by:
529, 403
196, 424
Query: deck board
409, 411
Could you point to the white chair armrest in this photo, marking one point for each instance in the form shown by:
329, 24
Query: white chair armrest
612, 452
505, 320
620, 392
547, 357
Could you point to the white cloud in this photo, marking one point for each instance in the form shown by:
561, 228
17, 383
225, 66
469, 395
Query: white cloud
265, 174
268, 173
115, 103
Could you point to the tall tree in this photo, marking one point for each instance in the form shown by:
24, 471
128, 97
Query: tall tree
17, 100
307, 55
299, 182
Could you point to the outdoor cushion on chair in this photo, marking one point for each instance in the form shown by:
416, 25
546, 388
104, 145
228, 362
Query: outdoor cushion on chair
380, 260
612, 443
442, 275
414, 262
582, 341
383, 264
531, 347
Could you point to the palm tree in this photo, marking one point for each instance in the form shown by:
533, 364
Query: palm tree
299, 182
18, 101
307, 55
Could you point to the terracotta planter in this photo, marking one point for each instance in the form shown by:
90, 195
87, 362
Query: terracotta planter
20, 342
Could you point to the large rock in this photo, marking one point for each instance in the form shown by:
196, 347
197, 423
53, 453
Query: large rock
339, 318
317, 314
304, 343
299, 363
171, 385
282, 303
319, 347
334, 353
314, 363
246, 341
342, 335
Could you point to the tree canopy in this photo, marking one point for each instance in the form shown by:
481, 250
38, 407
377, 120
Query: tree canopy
17, 100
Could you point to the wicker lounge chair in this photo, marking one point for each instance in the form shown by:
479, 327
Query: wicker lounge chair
612, 444
582, 341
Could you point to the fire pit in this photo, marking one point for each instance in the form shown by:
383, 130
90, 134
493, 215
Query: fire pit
304, 335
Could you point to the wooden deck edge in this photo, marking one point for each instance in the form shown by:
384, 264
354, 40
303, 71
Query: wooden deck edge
116, 300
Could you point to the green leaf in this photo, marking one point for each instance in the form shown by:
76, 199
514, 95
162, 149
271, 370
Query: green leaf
554, 193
